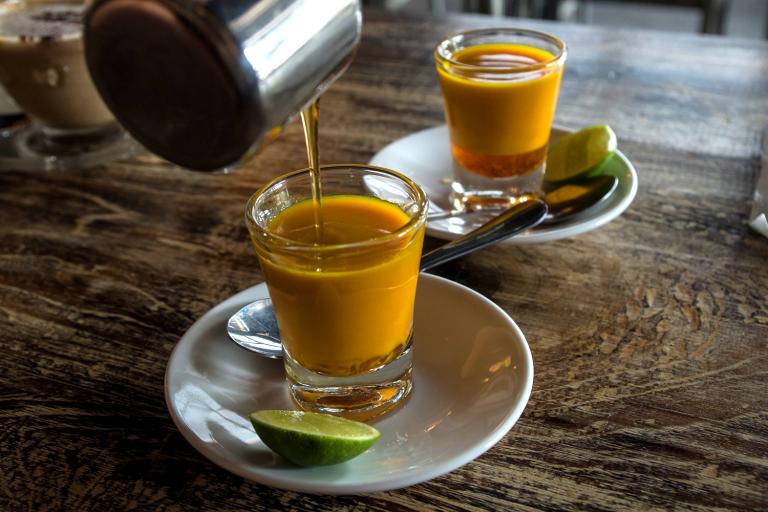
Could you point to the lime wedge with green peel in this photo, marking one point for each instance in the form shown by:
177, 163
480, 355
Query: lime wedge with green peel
311, 438
580, 154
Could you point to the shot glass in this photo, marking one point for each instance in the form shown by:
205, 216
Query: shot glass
42, 67
500, 89
342, 279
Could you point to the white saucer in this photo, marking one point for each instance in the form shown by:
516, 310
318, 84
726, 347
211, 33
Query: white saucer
425, 157
473, 374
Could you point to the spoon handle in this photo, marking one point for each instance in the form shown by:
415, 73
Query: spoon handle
515, 219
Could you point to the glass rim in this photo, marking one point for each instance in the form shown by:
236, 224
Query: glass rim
284, 243
447, 58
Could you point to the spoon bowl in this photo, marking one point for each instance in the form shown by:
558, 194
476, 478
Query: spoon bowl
254, 327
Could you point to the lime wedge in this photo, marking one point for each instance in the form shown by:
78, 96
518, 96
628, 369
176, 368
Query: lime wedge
311, 438
580, 154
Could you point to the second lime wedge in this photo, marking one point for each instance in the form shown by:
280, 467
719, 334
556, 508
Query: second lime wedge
580, 154
313, 439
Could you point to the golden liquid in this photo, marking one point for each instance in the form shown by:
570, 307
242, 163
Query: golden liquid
309, 118
354, 314
499, 120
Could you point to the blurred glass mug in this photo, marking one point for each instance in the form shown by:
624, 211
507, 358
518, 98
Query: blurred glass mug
205, 84
42, 67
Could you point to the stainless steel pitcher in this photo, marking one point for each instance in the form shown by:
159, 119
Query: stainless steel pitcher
204, 83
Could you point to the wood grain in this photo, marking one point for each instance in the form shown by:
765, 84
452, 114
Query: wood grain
649, 335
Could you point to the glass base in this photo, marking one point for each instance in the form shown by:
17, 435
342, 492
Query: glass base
359, 397
493, 193
30, 147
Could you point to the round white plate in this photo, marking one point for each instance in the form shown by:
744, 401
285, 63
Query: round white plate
425, 157
473, 374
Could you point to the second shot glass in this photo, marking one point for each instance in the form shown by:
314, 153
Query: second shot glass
500, 89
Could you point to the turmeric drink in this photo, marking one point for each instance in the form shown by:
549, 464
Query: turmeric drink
349, 311
500, 124
500, 90
341, 268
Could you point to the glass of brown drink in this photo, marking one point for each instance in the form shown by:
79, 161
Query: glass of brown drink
42, 67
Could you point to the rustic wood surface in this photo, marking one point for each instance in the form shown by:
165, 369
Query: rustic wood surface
649, 335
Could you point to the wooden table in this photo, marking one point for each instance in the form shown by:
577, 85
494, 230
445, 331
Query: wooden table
649, 335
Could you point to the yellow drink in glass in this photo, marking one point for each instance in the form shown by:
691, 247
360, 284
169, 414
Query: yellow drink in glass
342, 278
500, 89
352, 313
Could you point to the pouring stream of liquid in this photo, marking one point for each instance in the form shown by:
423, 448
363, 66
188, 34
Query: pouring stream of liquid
309, 119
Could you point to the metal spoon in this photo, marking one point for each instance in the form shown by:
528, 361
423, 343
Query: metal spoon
563, 201
254, 327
